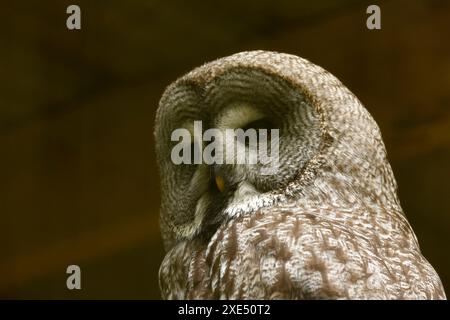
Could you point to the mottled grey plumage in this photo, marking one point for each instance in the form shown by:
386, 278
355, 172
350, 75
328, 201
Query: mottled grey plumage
327, 225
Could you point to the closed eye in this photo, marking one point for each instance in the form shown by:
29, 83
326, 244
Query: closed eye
262, 123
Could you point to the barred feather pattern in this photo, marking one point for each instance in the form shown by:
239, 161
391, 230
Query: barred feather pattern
329, 225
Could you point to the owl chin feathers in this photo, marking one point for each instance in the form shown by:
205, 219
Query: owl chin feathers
212, 211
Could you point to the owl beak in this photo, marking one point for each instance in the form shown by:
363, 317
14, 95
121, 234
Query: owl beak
220, 183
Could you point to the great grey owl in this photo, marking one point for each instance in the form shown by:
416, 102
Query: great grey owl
327, 225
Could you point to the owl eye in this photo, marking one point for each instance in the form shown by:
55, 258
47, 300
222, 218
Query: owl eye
263, 123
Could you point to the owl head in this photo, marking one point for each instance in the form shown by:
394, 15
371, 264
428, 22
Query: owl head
325, 140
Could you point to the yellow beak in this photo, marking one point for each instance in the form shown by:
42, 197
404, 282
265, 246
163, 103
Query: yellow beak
220, 183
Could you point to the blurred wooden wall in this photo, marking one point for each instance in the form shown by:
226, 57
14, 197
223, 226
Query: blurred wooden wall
78, 179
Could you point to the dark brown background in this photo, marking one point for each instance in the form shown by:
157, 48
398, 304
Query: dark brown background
78, 179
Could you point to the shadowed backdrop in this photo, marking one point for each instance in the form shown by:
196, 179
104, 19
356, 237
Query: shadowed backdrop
78, 178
